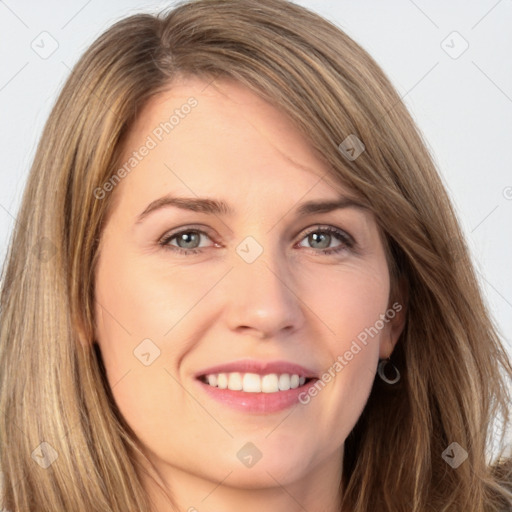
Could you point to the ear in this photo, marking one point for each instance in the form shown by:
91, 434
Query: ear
97, 322
395, 317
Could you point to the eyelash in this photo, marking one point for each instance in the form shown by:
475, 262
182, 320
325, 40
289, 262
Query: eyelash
347, 241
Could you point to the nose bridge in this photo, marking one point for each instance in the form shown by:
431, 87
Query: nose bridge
261, 294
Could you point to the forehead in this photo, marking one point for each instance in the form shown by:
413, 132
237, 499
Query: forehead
211, 138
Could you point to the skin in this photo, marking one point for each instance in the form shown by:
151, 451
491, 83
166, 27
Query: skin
292, 303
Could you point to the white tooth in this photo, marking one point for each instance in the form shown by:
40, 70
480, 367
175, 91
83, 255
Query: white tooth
294, 381
222, 381
235, 382
284, 382
269, 383
252, 383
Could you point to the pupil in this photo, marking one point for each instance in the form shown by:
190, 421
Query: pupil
316, 236
189, 239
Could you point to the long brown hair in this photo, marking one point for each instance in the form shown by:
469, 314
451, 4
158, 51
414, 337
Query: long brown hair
54, 399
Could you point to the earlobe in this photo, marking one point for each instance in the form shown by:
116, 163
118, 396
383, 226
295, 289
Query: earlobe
398, 323
85, 337
396, 316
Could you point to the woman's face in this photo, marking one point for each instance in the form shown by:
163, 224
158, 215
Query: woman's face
191, 292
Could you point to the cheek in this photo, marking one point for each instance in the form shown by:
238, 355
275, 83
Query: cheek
139, 310
350, 307
136, 301
348, 298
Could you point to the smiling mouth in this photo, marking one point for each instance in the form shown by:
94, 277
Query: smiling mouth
253, 382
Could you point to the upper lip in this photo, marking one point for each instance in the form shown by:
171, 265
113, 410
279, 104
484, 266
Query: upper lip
259, 367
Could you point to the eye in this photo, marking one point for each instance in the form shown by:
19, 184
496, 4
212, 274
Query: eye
321, 238
187, 241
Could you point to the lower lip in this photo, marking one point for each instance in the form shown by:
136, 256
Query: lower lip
257, 402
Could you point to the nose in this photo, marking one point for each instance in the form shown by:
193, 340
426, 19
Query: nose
262, 299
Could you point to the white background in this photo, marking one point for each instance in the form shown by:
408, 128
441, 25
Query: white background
462, 105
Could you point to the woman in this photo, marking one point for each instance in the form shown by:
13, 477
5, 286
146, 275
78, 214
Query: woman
188, 346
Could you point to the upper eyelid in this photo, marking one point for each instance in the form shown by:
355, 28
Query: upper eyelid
169, 235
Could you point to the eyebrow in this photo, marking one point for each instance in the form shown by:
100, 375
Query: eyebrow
216, 207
